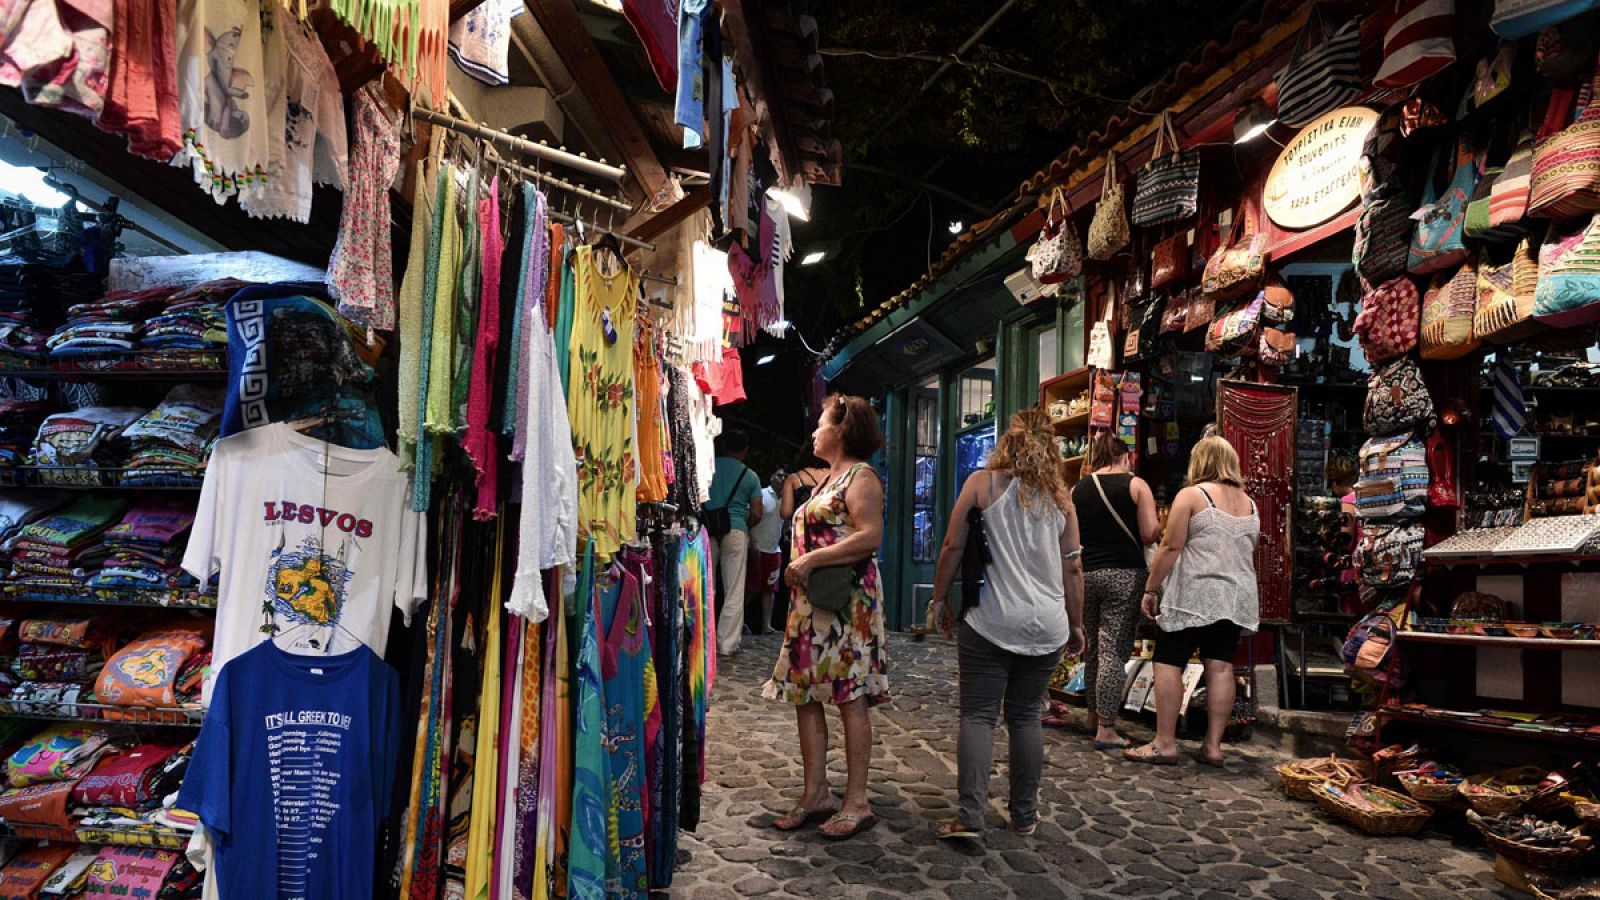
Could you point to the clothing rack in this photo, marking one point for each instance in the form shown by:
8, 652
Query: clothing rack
105, 210
560, 184
516, 144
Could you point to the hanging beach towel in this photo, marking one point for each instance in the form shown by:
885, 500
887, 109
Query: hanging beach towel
1168, 186
1520, 18
1418, 43
1324, 71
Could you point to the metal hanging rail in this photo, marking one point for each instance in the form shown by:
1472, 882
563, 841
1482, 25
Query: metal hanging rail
516, 144
565, 185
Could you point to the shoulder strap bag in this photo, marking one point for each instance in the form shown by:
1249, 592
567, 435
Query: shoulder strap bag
1168, 186
1149, 552
1109, 231
1565, 180
717, 519
1320, 76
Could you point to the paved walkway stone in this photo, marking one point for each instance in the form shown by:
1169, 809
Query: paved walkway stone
1107, 828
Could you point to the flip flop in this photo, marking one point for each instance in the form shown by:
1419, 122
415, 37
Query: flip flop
953, 830
805, 818
1149, 756
1213, 761
858, 823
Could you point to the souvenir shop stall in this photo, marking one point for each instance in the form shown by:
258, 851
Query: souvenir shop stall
1390, 309
381, 576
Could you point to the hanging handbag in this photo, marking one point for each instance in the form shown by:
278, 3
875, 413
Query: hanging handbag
1568, 294
1167, 188
1444, 489
1388, 555
1565, 182
831, 588
1202, 310
1493, 76
1238, 265
1383, 229
1520, 18
1562, 54
1418, 42
1394, 477
1277, 347
1505, 298
1108, 230
1057, 254
1508, 199
1101, 355
1146, 550
1437, 243
1389, 320
1169, 262
1279, 306
1177, 310
1236, 334
1133, 343
1397, 399
1324, 70
1448, 309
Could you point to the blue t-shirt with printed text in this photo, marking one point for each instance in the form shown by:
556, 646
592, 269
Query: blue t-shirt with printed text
733, 477
292, 771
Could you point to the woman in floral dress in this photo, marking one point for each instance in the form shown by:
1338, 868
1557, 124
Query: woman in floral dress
836, 659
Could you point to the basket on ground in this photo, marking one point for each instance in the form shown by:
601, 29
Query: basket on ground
1301, 776
1374, 810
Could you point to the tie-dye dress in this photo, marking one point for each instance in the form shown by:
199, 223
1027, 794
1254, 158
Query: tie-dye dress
828, 658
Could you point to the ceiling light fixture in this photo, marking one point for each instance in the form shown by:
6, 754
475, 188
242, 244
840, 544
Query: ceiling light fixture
796, 201
813, 257
766, 359
956, 226
1252, 121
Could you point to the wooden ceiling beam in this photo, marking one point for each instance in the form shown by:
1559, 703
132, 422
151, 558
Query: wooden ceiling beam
669, 218
563, 27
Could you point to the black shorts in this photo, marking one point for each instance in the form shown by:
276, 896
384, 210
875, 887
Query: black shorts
1219, 641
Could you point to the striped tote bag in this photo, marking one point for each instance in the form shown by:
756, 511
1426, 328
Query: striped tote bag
1508, 199
1568, 294
1565, 180
1167, 188
1418, 42
1324, 71
1520, 18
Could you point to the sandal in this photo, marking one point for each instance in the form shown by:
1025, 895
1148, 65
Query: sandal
953, 830
1118, 744
1213, 761
1149, 755
858, 822
800, 817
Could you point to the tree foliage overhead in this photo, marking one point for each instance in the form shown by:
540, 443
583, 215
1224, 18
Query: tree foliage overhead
1047, 73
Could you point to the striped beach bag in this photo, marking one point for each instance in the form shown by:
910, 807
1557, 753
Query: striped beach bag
1419, 42
1569, 277
1167, 188
1520, 18
1324, 70
1508, 200
1565, 180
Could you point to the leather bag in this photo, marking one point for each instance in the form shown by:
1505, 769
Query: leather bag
1389, 320
1109, 231
1169, 262
1239, 264
830, 588
1448, 309
1167, 188
1279, 307
1565, 180
1277, 347
1202, 310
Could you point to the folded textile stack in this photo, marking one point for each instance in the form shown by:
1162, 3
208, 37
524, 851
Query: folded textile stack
61, 547
61, 752
144, 549
173, 441
25, 507
60, 650
123, 791
19, 424
73, 447
113, 323
147, 671
21, 344
25, 874
195, 319
30, 296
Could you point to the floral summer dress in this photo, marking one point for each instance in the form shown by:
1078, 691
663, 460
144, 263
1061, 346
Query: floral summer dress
830, 658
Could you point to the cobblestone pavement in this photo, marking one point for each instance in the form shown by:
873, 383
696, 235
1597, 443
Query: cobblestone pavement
1108, 828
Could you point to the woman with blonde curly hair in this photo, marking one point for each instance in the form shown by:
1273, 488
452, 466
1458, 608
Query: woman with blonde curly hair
1029, 607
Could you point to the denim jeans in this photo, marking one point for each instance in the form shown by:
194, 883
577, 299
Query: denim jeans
992, 677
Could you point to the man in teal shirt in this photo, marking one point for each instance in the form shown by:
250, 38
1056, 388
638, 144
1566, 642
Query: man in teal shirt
737, 489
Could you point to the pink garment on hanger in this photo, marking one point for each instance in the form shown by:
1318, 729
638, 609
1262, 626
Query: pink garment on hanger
480, 442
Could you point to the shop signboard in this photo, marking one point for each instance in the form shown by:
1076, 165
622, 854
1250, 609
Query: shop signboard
1318, 174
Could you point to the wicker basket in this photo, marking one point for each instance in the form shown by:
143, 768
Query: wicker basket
1408, 817
1547, 886
1544, 859
1586, 811
1384, 766
1435, 794
1301, 777
1488, 800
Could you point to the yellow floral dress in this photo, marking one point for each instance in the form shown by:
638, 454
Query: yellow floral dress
829, 658
600, 401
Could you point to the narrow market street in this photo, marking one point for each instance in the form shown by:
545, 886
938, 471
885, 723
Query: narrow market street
1108, 828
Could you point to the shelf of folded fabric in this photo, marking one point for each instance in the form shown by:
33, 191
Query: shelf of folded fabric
91, 478
144, 363
1483, 722
155, 838
110, 714
174, 598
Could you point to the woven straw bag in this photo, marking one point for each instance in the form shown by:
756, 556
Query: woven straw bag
1505, 298
1109, 231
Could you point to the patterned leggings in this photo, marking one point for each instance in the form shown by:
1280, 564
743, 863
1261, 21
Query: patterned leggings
1110, 612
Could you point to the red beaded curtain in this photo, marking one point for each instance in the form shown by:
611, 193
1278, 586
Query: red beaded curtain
1259, 420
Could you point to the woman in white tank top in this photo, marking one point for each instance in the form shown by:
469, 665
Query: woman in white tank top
1029, 607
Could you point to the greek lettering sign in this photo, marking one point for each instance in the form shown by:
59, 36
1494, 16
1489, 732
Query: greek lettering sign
1318, 174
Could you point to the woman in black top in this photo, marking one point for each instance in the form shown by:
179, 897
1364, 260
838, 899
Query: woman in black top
1117, 520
